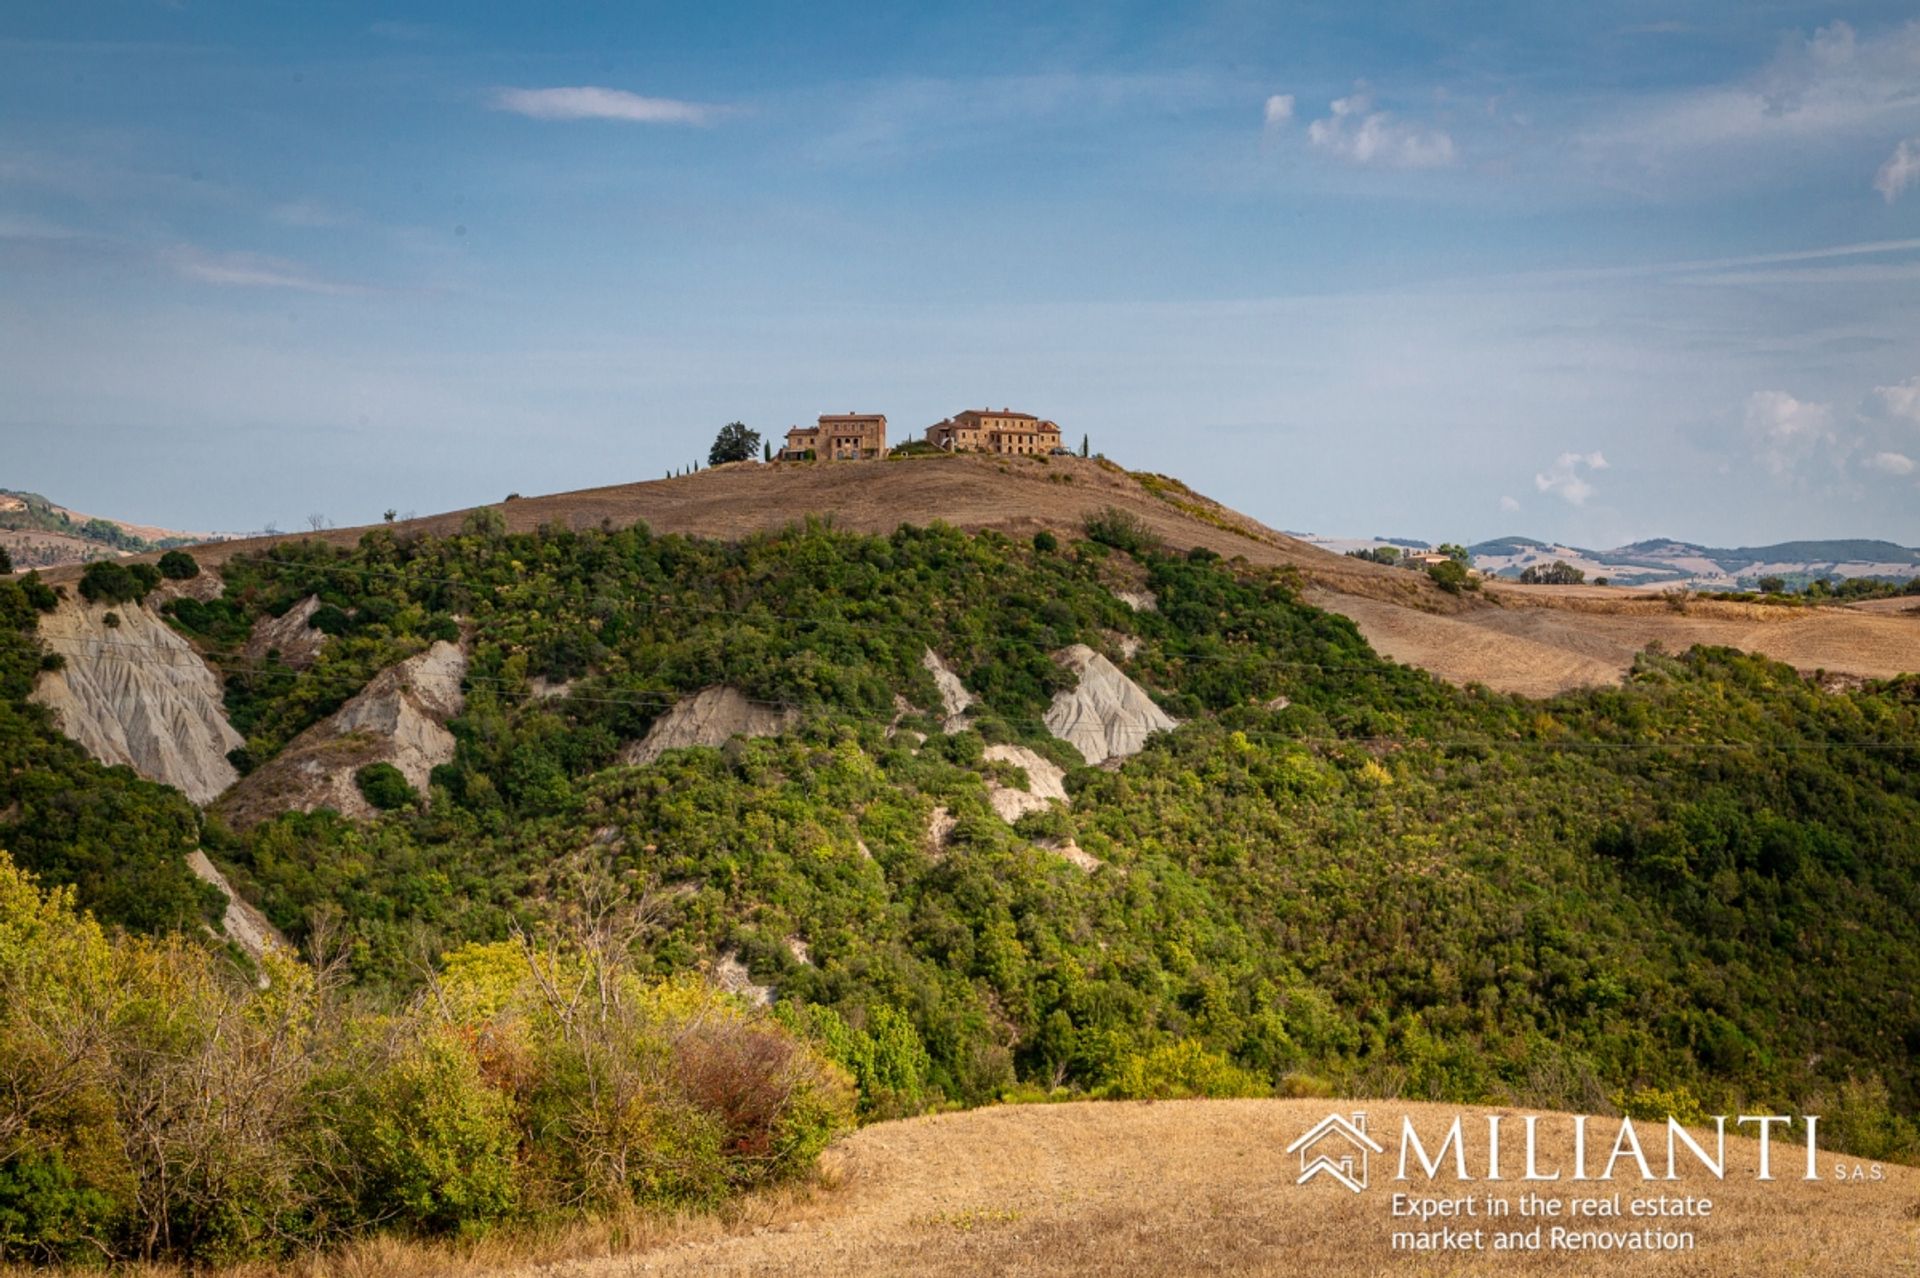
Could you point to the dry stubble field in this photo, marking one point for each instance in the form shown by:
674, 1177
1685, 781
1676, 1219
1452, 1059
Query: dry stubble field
1206, 1187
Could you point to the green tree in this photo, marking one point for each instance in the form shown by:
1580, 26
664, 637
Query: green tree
110, 581
734, 443
1772, 585
1083, 446
385, 787
1451, 577
178, 565
6, 560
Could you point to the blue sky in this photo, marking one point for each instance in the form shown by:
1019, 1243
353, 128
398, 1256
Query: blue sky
1443, 271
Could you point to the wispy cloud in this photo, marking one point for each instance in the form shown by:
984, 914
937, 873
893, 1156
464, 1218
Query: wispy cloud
1901, 170
251, 270
1564, 479
1831, 83
311, 214
1892, 463
1355, 132
1787, 430
592, 102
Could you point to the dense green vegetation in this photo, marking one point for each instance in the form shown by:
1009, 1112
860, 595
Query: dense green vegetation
1339, 874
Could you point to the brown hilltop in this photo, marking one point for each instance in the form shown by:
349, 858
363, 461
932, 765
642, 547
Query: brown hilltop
1534, 640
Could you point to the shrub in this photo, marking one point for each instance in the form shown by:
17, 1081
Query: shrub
432, 1143
1045, 542
330, 620
178, 565
1123, 530
1451, 577
1182, 1069
110, 581
39, 594
385, 787
6, 561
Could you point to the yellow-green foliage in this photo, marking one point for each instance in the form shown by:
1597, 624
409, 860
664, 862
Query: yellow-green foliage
158, 1103
1176, 1070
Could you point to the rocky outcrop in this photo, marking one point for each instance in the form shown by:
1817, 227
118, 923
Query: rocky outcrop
1073, 854
289, 634
954, 697
731, 975
1045, 783
136, 693
1138, 600
399, 718
1108, 715
245, 926
710, 717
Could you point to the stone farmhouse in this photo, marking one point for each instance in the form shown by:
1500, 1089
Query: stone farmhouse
838, 437
982, 430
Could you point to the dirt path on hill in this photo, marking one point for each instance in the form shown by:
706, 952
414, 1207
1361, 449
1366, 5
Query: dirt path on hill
1206, 1187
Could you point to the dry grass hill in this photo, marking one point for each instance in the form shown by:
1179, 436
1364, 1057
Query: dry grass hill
1207, 1187
1534, 640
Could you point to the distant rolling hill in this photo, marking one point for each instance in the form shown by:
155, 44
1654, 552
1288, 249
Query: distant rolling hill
1667, 560
1664, 560
38, 533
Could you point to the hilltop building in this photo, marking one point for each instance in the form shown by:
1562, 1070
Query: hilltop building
838, 437
982, 430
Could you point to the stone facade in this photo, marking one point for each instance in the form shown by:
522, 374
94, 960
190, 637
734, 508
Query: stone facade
983, 430
838, 437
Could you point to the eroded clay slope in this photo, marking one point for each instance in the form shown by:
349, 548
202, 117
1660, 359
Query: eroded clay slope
710, 717
137, 694
1108, 715
399, 718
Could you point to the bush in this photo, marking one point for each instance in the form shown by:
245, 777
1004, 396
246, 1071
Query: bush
432, 1143
40, 595
1451, 577
110, 581
178, 565
385, 787
1123, 530
1045, 542
1178, 1070
6, 561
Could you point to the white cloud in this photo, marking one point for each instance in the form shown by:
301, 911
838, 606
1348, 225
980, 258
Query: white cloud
1901, 170
250, 270
1279, 110
590, 102
1786, 429
1509, 505
1361, 135
1564, 480
1901, 399
1892, 463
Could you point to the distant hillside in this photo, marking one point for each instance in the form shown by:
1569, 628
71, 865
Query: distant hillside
1665, 560
37, 533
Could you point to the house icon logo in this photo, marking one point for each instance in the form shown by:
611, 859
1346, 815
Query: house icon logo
1337, 1145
